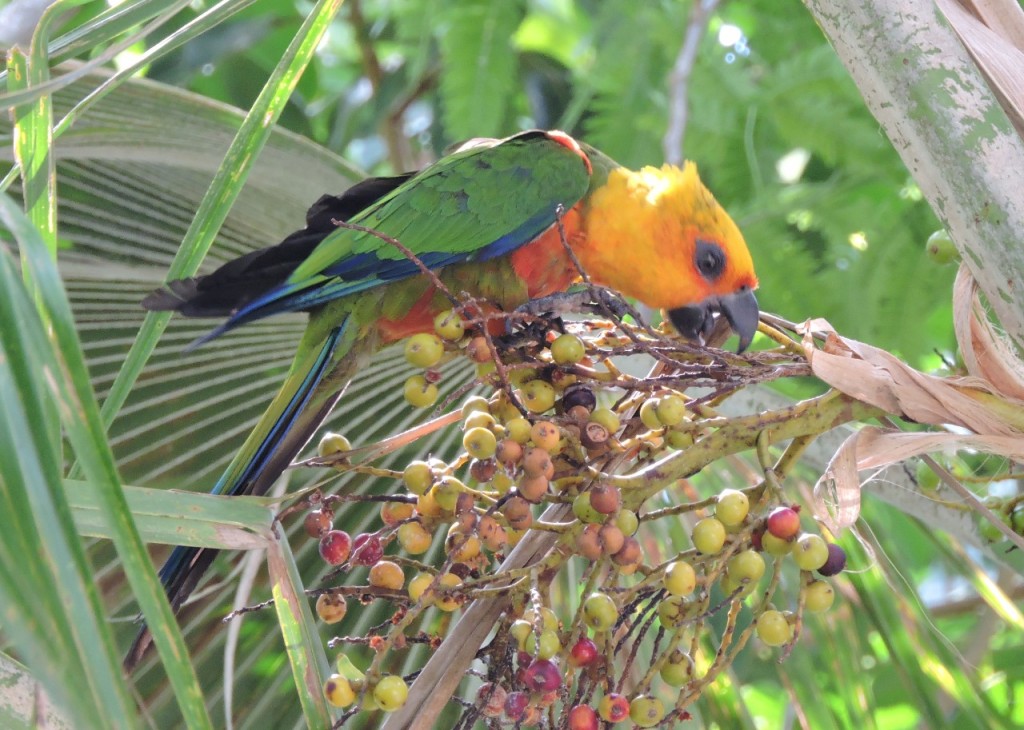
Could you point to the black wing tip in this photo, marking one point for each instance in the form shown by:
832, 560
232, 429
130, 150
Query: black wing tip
172, 297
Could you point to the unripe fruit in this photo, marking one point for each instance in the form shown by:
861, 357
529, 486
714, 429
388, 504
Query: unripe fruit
419, 393
605, 499
542, 676
391, 513
674, 611
568, 349
545, 435
448, 325
599, 611
478, 419
331, 608
449, 603
708, 535
746, 567
583, 653
810, 552
418, 585
414, 538
819, 596
774, 546
940, 248
386, 574
426, 504
538, 396
461, 547
490, 698
627, 521
480, 443
424, 350
520, 630
671, 409
446, 492
649, 414
317, 522
613, 707
545, 647
773, 628
502, 483
418, 477
607, 418
678, 669
680, 578
732, 507
646, 711
679, 440
582, 508
338, 691
332, 443
927, 479
836, 561
783, 523
335, 546
390, 693
583, 717
548, 618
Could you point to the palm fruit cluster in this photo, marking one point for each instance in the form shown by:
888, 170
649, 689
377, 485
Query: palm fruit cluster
634, 643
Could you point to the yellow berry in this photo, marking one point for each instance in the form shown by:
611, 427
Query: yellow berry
449, 325
424, 350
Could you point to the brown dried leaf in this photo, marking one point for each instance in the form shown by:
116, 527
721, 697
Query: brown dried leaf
837, 493
876, 377
986, 354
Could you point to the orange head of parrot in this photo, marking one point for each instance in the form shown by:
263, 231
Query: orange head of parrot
658, 235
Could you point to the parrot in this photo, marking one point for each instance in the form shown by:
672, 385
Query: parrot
493, 219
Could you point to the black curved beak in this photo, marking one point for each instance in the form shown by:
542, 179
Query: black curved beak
697, 321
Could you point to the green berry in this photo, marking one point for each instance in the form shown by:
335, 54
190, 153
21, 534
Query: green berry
680, 578
390, 693
424, 350
418, 477
538, 396
927, 479
582, 508
545, 647
649, 414
675, 610
671, 409
775, 546
332, 443
479, 419
746, 567
709, 536
646, 711
519, 430
607, 418
419, 393
940, 248
567, 349
819, 596
732, 507
627, 521
773, 628
678, 669
449, 326
520, 629
810, 552
599, 611
480, 443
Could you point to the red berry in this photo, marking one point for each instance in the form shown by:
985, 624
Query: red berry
542, 676
583, 653
583, 717
490, 698
335, 546
613, 707
784, 523
318, 522
366, 549
836, 561
516, 704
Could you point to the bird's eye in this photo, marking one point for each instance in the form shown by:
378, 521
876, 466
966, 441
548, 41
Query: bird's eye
709, 259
